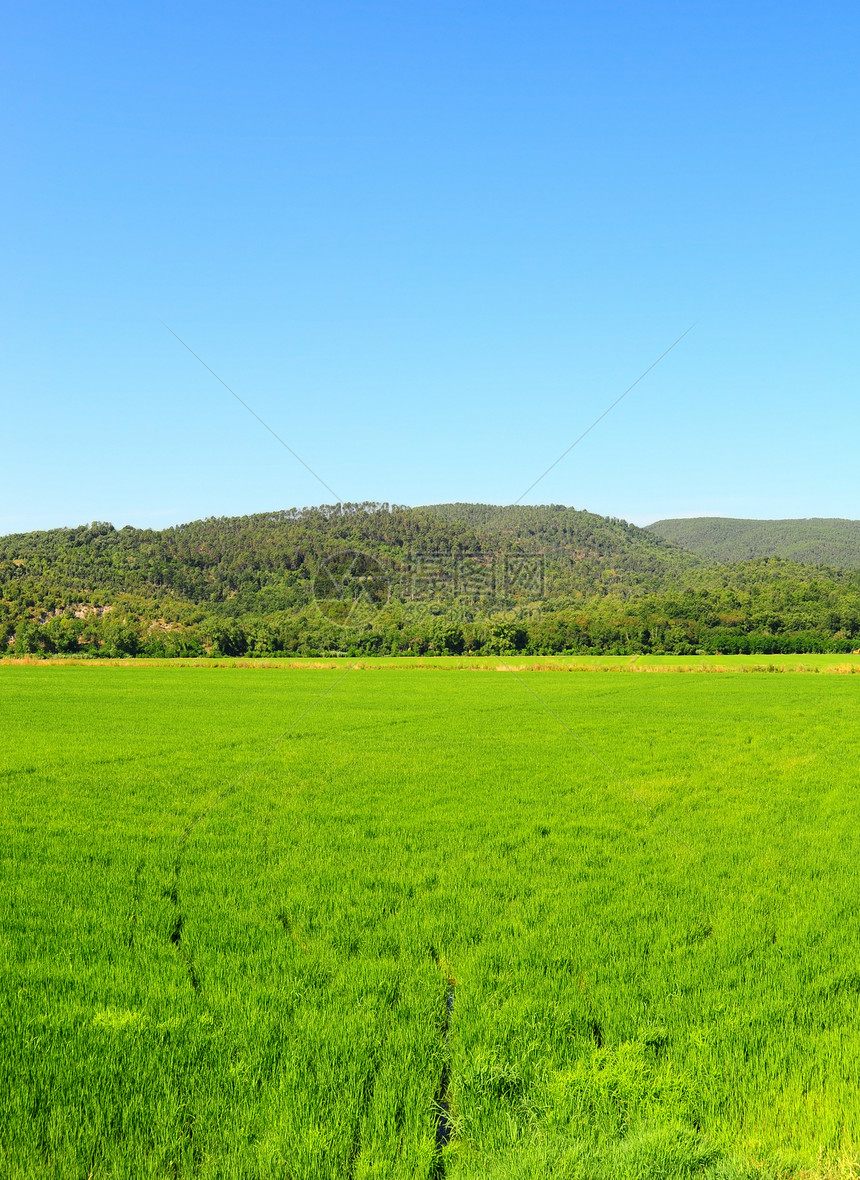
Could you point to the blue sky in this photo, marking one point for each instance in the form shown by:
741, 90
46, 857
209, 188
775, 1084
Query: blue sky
429, 244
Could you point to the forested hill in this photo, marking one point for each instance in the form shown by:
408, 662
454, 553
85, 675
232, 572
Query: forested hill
816, 541
267, 562
376, 578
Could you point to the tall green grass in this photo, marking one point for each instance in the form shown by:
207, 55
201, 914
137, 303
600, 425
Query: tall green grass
228, 958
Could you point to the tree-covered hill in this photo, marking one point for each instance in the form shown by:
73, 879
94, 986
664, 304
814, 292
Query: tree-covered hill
267, 561
377, 578
829, 542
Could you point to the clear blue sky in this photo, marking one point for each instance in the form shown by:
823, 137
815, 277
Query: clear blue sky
429, 244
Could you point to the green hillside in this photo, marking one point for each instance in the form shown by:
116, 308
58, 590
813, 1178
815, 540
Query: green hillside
814, 541
371, 579
267, 561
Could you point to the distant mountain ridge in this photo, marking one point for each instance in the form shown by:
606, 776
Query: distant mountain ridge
812, 541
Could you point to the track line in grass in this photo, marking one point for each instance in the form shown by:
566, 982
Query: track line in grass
442, 1099
178, 923
137, 886
444, 1129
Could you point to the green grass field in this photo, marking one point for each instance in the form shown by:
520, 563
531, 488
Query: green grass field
236, 903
